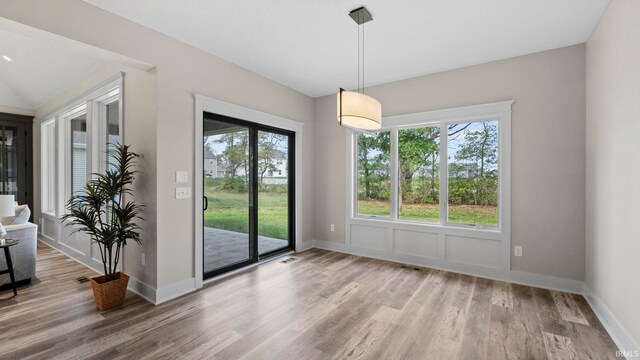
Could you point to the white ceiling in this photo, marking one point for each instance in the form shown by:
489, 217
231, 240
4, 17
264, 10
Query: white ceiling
39, 70
310, 45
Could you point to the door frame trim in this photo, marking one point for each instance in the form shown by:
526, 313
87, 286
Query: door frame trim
206, 104
27, 123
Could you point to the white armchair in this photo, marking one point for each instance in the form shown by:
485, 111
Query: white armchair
23, 254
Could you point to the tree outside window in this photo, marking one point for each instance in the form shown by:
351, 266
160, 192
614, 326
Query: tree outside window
472, 177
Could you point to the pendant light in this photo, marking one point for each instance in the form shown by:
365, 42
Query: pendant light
355, 109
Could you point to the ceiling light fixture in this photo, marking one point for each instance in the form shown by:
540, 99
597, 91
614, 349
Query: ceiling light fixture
355, 109
6, 57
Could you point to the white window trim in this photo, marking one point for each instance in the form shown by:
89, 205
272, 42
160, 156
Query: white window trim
48, 152
100, 136
204, 103
90, 102
67, 175
500, 111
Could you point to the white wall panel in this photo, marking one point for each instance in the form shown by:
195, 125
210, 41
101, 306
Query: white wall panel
77, 242
49, 228
415, 243
372, 237
473, 251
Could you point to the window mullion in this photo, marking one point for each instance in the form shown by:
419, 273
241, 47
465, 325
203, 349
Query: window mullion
354, 171
394, 174
444, 188
93, 134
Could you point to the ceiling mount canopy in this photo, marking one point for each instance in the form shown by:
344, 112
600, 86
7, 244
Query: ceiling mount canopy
355, 109
361, 15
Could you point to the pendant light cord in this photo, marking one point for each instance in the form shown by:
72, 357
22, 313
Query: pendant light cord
359, 53
360, 23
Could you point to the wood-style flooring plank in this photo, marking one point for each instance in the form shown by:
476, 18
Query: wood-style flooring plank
323, 305
559, 347
568, 308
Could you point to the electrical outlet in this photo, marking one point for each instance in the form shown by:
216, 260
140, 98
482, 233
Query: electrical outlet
143, 261
183, 193
333, 228
517, 250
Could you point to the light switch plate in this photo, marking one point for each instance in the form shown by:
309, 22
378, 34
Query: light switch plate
183, 193
181, 177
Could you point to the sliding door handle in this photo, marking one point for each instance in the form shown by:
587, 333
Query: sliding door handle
206, 203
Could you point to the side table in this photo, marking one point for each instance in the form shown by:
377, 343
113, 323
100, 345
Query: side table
5, 244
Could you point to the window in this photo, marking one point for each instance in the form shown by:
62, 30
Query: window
112, 112
419, 179
48, 158
398, 171
75, 143
473, 173
78, 144
373, 169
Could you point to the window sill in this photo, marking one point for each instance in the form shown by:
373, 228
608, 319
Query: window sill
48, 215
424, 225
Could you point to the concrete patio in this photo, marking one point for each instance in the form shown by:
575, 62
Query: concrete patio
223, 248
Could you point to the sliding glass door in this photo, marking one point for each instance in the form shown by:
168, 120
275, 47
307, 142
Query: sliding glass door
248, 193
227, 196
273, 191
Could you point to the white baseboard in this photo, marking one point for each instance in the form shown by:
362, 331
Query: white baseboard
177, 289
136, 286
517, 277
546, 282
143, 289
606, 317
608, 320
617, 332
305, 245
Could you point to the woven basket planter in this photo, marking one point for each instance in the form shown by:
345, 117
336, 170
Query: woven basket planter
109, 294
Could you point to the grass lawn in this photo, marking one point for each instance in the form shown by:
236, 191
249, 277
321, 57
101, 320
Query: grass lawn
229, 210
465, 214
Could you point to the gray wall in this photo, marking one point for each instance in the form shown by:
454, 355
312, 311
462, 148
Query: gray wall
139, 122
613, 149
548, 149
548, 184
181, 70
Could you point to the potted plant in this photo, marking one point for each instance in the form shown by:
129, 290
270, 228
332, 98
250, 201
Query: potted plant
101, 212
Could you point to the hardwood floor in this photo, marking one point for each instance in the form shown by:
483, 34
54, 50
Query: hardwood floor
323, 305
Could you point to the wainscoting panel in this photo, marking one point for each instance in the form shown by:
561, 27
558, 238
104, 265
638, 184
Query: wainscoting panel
466, 250
415, 243
49, 228
473, 251
79, 247
372, 237
79, 243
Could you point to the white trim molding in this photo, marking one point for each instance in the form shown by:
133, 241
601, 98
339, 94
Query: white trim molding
464, 248
146, 291
136, 286
174, 290
206, 104
516, 277
620, 336
611, 324
143, 289
305, 245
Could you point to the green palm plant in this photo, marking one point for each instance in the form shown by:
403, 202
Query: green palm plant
101, 211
